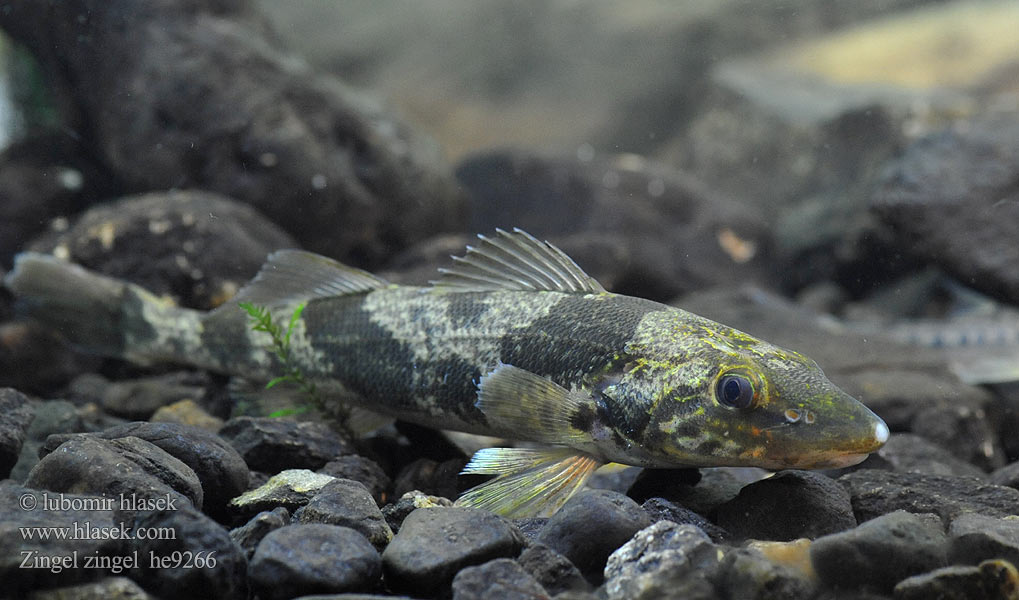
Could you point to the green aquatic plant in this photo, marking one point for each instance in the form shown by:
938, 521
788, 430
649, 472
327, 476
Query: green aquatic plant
262, 320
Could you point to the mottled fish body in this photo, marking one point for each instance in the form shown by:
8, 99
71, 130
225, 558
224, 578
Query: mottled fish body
515, 341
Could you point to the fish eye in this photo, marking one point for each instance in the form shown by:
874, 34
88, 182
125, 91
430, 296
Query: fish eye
734, 391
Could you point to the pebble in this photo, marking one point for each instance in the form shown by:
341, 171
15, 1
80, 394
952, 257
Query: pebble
127, 466
787, 506
651, 483
943, 197
501, 578
112, 588
552, 570
311, 559
290, 489
660, 509
349, 504
975, 537
747, 575
991, 580
15, 415
51, 417
907, 452
531, 527
875, 493
715, 488
187, 412
881, 552
361, 469
140, 398
218, 466
963, 429
665, 560
273, 445
396, 512
1007, 476
36, 359
251, 533
431, 477
433, 544
569, 531
198, 537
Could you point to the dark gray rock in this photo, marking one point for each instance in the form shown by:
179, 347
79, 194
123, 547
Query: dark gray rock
552, 570
433, 544
991, 580
975, 537
218, 106
952, 199
660, 509
349, 504
963, 429
746, 575
906, 452
273, 445
16, 414
194, 246
665, 560
661, 483
51, 417
431, 477
112, 588
361, 469
290, 489
531, 527
616, 479
875, 493
312, 559
44, 177
24, 507
788, 505
397, 511
881, 552
38, 360
251, 533
569, 531
646, 229
217, 464
128, 466
1007, 476
715, 488
499, 578
221, 574
139, 398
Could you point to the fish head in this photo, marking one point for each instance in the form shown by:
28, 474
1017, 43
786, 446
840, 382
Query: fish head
698, 393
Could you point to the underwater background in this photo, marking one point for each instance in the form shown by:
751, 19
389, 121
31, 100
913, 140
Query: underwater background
836, 177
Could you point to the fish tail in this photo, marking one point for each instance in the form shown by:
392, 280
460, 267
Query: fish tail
100, 314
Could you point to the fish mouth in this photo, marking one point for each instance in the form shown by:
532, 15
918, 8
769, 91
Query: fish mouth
826, 453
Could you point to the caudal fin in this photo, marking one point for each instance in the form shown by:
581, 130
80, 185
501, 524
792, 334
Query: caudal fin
97, 313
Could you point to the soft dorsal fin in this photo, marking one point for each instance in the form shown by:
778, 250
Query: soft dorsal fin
297, 275
515, 261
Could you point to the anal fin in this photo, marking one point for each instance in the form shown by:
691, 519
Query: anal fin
530, 483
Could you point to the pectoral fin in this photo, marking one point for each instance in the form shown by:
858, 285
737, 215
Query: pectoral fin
530, 483
531, 407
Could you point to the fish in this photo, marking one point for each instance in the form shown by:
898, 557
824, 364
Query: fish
512, 340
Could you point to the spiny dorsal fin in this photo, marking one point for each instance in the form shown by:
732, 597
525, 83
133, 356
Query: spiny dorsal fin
297, 275
515, 261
